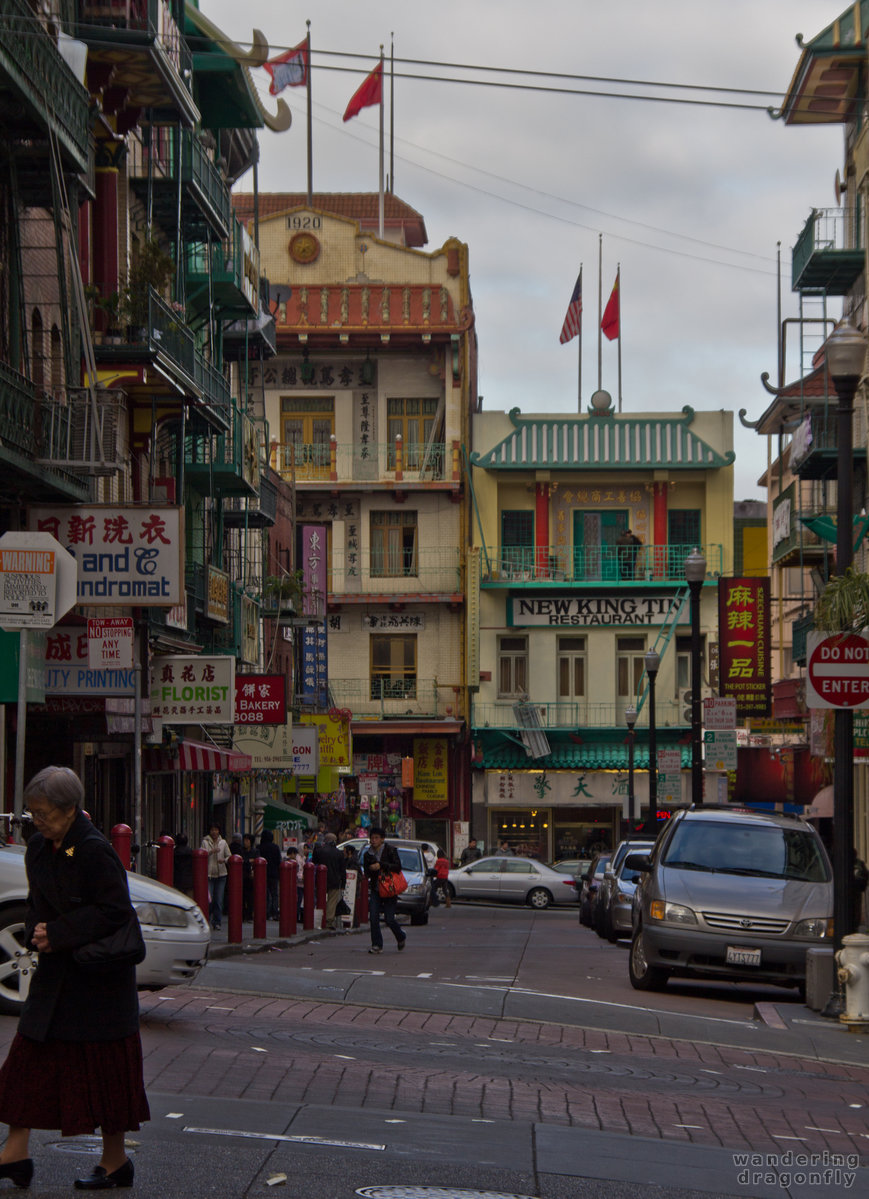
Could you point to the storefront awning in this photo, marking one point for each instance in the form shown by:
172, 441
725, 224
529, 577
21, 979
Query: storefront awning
278, 813
195, 755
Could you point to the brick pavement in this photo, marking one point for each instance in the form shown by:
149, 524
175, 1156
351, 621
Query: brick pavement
206, 1043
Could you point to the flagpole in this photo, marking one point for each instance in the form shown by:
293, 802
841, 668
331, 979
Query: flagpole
599, 308
380, 187
310, 125
392, 112
579, 348
619, 286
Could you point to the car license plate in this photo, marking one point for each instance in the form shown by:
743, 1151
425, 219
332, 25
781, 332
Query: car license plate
739, 956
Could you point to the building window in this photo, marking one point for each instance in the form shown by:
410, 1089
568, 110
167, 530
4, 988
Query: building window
571, 667
683, 663
307, 425
512, 667
630, 664
414, 420
393, 666
394, 545
683, 533
517, 541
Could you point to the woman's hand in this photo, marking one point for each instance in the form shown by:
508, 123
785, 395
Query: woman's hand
40, 938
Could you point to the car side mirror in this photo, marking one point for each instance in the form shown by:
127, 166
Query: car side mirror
638, 861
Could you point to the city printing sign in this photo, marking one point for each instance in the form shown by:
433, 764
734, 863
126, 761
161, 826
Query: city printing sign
744, 635
130, 556
579, 612
837, 671
68, 670
193, 689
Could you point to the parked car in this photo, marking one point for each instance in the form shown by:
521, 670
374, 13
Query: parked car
416, 900
176, 933
513, 880
614, 901
590, 886
730, 893
575, 867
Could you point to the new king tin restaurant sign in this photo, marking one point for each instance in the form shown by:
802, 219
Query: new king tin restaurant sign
127, 556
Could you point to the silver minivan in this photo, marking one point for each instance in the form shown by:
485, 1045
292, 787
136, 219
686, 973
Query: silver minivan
730, 893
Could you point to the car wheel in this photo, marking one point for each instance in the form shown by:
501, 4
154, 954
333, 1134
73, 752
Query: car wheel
643, 976
419, 917
539, 899
17, 964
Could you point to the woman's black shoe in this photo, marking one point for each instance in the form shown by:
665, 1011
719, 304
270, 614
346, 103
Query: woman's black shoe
19, 1172
99, 1180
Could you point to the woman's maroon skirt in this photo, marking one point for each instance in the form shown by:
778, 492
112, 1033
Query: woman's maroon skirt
76, 1086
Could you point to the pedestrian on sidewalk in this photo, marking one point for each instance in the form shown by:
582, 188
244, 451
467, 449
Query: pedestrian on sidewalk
471, 853
379, 858
272, 855
293, 855
329, 855
248, 853
76, 1060
218, 856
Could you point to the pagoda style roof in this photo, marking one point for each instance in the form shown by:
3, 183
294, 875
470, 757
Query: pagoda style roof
826, 81
373, 308
596, 441
363, 207
814, 391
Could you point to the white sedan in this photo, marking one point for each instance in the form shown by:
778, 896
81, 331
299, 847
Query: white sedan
176, 933
512, 880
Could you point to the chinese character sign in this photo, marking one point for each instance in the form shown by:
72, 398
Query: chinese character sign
260, 699
193, 689
312, 671
430, 777
126, 556
314, 570
744, 633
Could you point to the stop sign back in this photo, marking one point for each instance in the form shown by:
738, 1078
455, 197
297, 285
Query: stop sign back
838, 671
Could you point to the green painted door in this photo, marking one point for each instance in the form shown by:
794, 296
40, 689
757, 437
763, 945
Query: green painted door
595, 553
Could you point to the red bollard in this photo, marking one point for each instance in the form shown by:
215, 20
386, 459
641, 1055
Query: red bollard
361, 900
234, 886
320, 891
166, 861
287, 897
122, 843
200, 881
259, 898
309, 874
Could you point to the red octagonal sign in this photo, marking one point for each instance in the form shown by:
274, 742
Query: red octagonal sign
838, 671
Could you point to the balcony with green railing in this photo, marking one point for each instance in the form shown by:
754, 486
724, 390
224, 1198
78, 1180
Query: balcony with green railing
562, 566
225, 464
233, 283
156, 162
818, 449
387, 698
35, 79
216, 402
829, 254
793, 538
362, 462
141, 41
26, 417
424, 571
164, 335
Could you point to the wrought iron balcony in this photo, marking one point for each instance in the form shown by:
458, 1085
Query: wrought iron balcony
45, 94
356, 462
253, 512
142, 44
216, 393
22, 465
570, 715
815, 455
511, 566
84, 432
434, 571
388, 697
233, 286
829, 254
205, 196
224, 463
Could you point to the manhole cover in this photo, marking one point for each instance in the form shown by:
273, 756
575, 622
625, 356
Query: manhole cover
434, 1193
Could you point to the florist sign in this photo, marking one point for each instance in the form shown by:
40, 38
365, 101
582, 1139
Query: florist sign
127, 556
193, 689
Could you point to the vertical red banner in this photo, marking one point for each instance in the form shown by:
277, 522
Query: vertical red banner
744, 636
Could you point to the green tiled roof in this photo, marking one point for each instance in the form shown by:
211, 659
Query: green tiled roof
590, 442
507, 755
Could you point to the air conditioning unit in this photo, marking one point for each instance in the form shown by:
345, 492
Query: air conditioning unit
685, 698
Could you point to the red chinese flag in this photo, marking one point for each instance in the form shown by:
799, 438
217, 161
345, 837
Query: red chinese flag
369, 92
289, 69
610, 323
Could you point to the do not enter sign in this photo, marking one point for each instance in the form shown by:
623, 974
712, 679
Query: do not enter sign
838, 671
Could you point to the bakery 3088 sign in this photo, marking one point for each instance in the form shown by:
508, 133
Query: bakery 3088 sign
260, 699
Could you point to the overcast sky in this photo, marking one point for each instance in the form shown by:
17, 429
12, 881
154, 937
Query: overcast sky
691, 200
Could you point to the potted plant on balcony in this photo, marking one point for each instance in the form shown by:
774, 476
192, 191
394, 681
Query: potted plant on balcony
151, 267
281, 595
110, 307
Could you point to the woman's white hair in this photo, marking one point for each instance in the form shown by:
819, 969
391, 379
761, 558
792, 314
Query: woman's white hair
57, 785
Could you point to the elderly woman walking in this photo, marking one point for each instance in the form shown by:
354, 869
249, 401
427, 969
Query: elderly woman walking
76, 1060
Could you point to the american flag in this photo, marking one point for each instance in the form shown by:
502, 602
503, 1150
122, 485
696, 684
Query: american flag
573, 319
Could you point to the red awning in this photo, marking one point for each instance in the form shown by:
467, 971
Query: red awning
195, 755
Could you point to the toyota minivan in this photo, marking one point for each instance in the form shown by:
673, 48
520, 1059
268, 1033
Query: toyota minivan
731, 893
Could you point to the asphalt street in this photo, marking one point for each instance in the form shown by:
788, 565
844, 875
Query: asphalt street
497, 1055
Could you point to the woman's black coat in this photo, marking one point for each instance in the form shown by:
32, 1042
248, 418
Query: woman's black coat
80, 892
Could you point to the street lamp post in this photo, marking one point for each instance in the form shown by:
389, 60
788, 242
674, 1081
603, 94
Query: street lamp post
695, 573
845, 353
653, 661
630, 721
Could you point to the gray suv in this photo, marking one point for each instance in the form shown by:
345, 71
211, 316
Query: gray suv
731, 893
